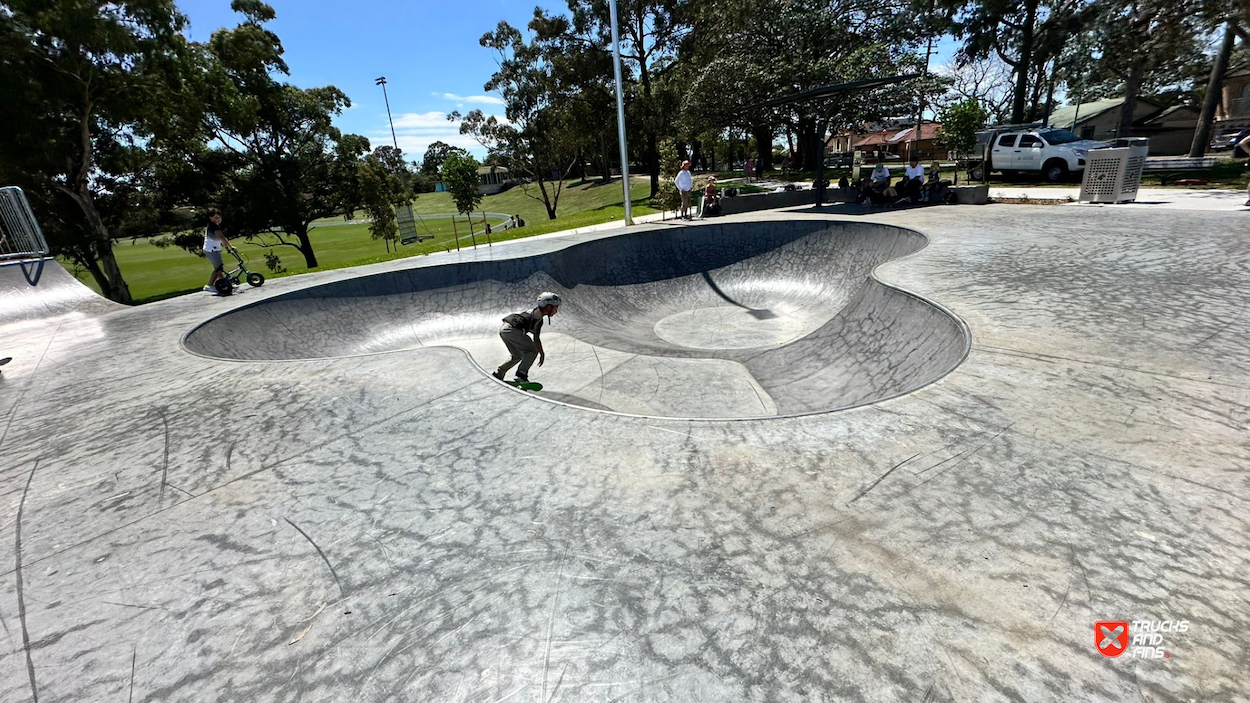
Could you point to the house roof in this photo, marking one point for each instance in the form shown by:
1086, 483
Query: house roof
1239, 70
483, 170
927, 131
1066, 116
1176, 113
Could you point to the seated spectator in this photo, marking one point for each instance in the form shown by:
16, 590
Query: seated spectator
879, 189
711, 198
843, 183
913, 180
934, 187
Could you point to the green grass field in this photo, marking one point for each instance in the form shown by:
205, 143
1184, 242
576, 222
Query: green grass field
154, 273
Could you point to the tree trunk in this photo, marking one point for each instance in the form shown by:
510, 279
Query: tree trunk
1026, 61
1050, 95
1132, 86
696, 154
1215, 87
763, 146
305, 247
109, 276
653, 163
101, 244
607, 161
547, 203
88, 261
1036, 100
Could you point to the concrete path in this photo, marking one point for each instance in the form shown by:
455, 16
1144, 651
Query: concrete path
1209, 199
401, 526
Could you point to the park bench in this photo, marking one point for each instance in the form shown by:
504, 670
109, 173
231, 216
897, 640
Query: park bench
1172, 166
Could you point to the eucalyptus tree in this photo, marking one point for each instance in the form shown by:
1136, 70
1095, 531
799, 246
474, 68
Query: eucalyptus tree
744, 52
85, 88
278, 160
1024, 34
554, 101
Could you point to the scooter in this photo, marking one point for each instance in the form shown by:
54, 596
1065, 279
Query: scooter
233, 278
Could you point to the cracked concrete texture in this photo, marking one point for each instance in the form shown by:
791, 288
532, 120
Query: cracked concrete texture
400, 526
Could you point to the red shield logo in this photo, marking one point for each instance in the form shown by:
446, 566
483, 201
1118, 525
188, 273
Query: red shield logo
1111, 637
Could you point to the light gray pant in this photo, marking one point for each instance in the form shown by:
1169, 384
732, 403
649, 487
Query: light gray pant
522, 349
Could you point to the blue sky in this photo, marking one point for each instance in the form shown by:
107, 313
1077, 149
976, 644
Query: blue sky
428, 50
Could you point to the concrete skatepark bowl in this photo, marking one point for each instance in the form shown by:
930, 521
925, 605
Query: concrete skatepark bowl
730, 320
332, 524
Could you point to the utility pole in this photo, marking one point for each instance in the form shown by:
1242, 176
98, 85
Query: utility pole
620, 111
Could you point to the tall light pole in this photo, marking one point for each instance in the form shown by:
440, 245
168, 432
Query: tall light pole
382, 82
620, 111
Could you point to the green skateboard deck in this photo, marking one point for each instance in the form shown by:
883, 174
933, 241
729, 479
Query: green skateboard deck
526, 385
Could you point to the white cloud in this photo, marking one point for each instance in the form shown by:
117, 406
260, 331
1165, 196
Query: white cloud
415, 131
473, 99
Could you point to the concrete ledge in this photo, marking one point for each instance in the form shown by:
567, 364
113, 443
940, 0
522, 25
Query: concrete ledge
972, 195
767, 201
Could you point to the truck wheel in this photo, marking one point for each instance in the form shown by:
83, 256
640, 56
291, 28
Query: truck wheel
1056, 171
977, 173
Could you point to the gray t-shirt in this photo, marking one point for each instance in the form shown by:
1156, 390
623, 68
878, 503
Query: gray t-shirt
529, 321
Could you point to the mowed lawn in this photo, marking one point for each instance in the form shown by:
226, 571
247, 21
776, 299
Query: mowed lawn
154, 273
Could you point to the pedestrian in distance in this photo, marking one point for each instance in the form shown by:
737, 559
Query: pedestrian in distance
684, 182
516, 335
1244, 144
214, 241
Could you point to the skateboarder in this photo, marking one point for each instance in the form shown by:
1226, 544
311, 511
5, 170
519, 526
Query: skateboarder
516, 332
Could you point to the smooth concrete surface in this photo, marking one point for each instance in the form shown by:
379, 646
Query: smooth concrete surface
793, 304
1203, 199
400, 527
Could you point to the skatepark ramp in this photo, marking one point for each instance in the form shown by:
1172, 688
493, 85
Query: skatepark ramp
720, 320
56, 294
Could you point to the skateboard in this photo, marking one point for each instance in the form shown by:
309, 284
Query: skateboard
525, 385
7, 359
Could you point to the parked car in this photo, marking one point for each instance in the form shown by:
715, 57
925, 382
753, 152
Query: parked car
1054, 153
840, 159
1230, 142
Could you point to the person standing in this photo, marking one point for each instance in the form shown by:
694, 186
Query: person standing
516, 331
1244, 144
684, 182
214, 241
747, 168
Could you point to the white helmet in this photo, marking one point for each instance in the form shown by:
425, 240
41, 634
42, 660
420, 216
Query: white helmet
548, 298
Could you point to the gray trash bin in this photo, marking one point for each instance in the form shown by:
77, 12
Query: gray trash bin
1113, 175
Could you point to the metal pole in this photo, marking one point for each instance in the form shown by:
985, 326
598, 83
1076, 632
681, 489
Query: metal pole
620, 111
382, 82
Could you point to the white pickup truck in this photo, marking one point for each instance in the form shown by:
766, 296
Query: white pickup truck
1055, 153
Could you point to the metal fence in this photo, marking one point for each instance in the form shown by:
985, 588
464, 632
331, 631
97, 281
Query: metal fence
20, 236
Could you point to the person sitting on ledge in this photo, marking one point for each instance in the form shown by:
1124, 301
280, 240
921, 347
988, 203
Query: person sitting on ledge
711, 198
913, 180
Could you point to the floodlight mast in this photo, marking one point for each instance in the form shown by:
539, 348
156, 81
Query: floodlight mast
620, 112
382, 82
